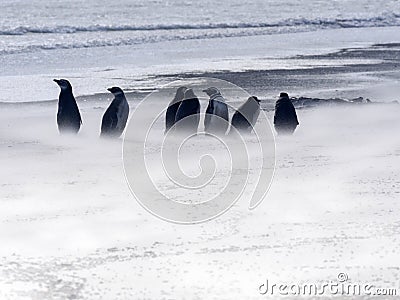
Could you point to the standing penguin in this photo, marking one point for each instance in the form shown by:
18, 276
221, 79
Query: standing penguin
285, 119
216, 120
68, 116
245, 117
189, 107
116, 115
173, 108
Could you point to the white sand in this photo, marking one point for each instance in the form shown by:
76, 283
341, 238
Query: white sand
71, 229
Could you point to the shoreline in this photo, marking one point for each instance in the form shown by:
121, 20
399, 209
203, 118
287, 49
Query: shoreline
91, 72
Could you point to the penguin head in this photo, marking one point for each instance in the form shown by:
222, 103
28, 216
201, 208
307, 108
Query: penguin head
116, 91
180, 92
283, 95
63, 84
254, 98
189, 94
211, 91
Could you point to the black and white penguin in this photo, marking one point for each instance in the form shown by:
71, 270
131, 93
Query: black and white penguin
285, 119
116, 115
189, 107
68, 117
245, 117
216, 120
173, 108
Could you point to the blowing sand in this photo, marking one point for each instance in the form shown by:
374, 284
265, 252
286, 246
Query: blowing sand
70, 229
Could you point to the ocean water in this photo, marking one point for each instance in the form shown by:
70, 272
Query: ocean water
35, 25
101, 43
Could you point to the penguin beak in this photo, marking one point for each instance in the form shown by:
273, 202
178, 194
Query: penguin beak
109, 89
205, 91
56, 81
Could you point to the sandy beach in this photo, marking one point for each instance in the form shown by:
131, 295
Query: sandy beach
72, 229
76, 232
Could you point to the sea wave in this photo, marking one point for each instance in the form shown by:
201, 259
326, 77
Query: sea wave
95, 43
175, 32
389, 19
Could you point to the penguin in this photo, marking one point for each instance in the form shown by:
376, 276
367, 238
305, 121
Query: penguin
116, 115
245, 117
285, 118
216, 120
68, 117
190, 106
173, 108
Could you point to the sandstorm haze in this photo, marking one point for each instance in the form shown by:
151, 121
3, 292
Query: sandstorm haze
70, 226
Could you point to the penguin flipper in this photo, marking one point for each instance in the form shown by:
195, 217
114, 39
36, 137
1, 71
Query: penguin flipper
109, 123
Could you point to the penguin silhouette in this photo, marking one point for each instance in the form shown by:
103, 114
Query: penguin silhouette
188, 114
173, 108
285, 118
216, 120
68, 117
116, 115
245, 117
